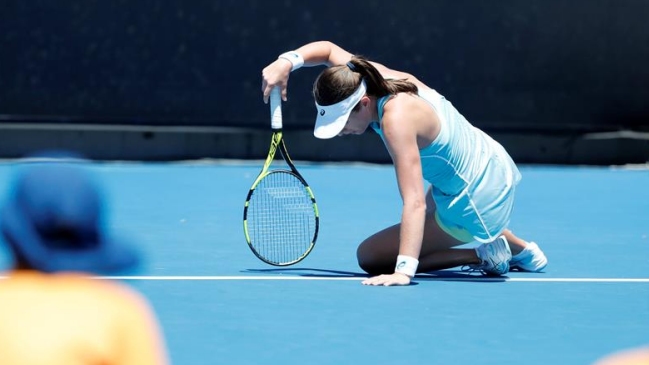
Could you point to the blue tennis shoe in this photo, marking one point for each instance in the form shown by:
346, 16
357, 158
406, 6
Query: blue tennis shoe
494, 257
531, 259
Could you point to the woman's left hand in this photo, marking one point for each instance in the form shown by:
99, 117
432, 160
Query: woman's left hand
275, 75
388, 280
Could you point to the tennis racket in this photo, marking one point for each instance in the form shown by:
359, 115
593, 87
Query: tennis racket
280, 216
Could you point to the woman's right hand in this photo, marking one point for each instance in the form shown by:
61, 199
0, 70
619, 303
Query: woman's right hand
275, 75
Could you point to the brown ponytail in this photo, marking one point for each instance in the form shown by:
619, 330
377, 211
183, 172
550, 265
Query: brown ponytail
336, 83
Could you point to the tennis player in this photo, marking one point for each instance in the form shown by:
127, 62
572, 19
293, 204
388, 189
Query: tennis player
472, 178
51, 310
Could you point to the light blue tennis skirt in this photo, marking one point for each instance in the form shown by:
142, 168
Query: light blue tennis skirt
483, 209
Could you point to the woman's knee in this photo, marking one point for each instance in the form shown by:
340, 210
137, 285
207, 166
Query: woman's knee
373, 260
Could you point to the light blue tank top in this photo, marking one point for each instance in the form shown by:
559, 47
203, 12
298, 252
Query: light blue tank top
457, 158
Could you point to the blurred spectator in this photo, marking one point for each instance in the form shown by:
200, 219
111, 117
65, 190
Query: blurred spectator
51, 309
636, 356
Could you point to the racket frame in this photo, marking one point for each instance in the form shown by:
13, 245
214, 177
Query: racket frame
277, 142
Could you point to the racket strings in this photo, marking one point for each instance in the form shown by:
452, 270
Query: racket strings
281, 218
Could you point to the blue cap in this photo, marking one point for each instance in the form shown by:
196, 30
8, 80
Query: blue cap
54, 221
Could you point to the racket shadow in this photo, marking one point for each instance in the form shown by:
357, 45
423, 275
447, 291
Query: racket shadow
309, 272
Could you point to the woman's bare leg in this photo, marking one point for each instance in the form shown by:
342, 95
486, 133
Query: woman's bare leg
516, 244
378, 253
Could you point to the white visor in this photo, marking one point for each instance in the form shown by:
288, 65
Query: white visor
331, 119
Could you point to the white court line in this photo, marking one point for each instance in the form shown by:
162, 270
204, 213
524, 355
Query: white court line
346, 278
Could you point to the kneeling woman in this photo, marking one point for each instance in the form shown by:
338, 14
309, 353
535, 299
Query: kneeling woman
472, 177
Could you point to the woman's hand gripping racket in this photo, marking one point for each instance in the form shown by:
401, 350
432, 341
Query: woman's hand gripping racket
280, 217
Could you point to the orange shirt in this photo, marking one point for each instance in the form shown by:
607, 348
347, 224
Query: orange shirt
72, 319
634, 356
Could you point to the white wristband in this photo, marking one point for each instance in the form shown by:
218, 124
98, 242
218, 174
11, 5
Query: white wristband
294, 58
406, 265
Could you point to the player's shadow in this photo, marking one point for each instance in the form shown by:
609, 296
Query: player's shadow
459, 275
441, 275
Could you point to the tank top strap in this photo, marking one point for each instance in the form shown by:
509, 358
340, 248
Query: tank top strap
380, 103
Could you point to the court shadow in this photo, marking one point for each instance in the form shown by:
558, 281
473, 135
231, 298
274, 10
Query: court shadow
442, 275
309, 272
457, 275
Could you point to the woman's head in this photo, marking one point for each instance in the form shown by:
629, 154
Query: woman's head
342, 90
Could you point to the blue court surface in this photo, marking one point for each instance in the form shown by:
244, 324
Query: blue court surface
218, 304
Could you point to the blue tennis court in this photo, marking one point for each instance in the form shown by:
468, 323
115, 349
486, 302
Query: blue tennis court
218, 303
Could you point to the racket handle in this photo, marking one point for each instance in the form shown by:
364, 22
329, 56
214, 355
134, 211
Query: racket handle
276, 108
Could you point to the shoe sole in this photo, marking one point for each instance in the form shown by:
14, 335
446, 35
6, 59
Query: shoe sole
520, 268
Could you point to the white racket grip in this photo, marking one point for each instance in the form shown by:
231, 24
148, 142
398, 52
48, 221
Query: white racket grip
276, 108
